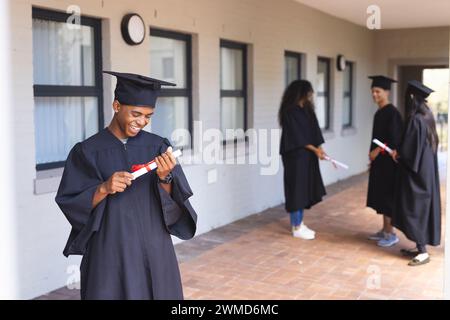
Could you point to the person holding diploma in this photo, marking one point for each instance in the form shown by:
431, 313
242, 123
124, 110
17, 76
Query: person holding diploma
122, 226
300, 149
418, 202
387, 127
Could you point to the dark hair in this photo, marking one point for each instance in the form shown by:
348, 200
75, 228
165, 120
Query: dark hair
294, 93
417, 104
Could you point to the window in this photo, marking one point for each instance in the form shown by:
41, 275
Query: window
347, 105
233, 87
68, 95
323, 93
170, 60
292, 64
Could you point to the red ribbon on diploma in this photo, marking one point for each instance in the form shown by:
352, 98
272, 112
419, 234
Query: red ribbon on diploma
138, 170
383, 151
136, 167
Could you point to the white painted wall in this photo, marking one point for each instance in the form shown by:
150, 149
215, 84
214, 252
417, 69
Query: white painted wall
270, 27
411, 45
398, 14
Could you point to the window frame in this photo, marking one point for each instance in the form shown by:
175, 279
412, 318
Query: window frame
299, 57
179, 92
73, 91
236, 93
349, 65
326, 94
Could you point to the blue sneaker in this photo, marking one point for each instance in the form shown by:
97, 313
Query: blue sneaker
388, 241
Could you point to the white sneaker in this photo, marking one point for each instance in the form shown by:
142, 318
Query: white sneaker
308, 229
303, 233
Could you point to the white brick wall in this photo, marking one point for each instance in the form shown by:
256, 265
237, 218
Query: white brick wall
270, 27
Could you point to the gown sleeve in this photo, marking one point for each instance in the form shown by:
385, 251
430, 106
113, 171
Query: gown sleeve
372, 144
395, 131
74, 197
413, 144
179, 216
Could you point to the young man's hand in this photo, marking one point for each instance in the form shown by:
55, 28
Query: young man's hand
374, 154
118, 182
166, 162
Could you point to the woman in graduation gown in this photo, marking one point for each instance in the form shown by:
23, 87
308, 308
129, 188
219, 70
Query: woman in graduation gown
418, 204
300, 149
122, 227
387, 127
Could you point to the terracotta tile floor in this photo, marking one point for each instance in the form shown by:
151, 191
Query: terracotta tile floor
257, 258
266, 262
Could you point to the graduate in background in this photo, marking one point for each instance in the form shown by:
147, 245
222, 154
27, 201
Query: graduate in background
122, 227
387, 127
418, 202
300, 149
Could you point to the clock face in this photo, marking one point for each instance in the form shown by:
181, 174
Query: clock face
133, 29
136, 29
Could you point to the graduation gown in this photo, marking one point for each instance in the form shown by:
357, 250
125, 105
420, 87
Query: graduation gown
388, 128
125, 240
418, 204
303, 185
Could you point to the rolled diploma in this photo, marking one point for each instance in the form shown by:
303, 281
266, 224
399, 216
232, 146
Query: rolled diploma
339, 164
151, 166
382, 145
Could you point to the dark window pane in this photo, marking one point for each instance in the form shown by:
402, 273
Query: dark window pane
61, 122
346, 115
232, 113
322, 76
321, 111
171, 114
168, 60
232, 69
292, 68
62, 54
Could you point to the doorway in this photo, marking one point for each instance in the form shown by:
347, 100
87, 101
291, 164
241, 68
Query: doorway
435, 77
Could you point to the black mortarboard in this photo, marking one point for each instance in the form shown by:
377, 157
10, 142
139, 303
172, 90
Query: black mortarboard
419, 88
136, 90
382, 82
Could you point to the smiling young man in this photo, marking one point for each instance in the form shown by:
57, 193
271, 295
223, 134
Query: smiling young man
122, 226
388, 128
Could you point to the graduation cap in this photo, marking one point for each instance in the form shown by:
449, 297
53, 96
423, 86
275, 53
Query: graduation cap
137, 90
382, 82
419, 88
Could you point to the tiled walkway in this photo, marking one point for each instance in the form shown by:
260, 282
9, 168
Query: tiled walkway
266, 262
257, 258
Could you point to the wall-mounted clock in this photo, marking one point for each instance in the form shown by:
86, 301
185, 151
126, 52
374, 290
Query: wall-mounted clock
341, 62
133, 29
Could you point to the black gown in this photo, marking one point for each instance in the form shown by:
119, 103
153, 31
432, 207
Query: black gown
418, 202
303, 185
125, 240
388, 128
